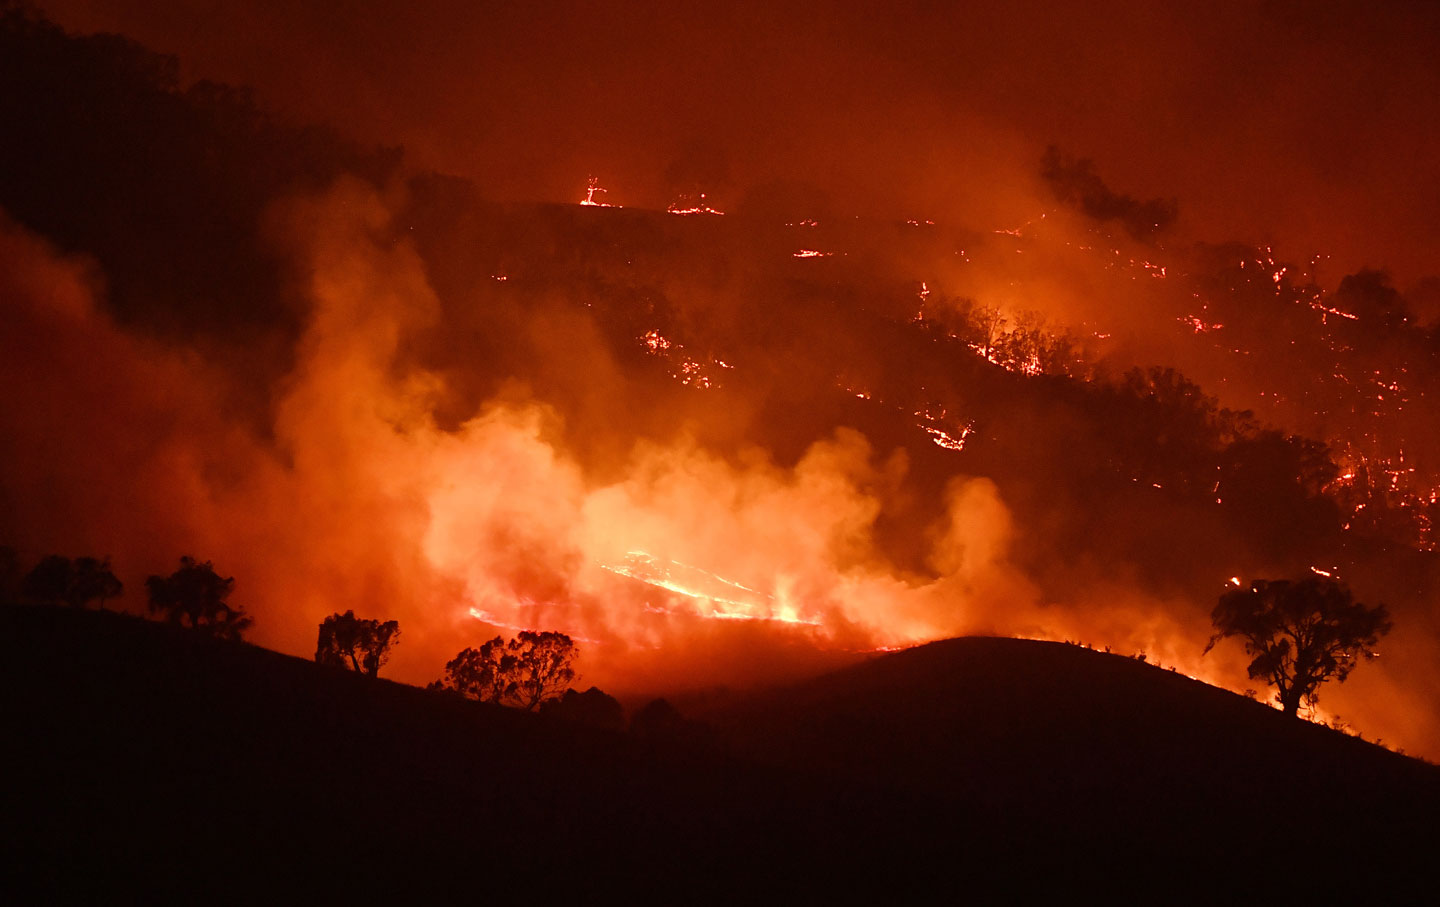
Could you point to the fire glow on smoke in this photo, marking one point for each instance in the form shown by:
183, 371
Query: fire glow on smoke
678, 565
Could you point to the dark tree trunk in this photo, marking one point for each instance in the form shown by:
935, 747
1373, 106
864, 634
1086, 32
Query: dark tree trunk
1290, 701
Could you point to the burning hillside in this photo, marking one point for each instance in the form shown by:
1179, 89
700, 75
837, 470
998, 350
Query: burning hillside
717, 450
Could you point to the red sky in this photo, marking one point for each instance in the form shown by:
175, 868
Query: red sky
1310, 126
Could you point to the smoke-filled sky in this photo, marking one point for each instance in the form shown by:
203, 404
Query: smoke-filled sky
386, 392
1309, 126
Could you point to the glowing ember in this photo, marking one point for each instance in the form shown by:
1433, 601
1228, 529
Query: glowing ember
591, 191
1326, 311
654, 341
686, 205
1198, 325
686, 369
946, 440
812, 253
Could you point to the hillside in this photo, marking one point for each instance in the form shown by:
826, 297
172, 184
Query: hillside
151, 760
1058, 738
344, 377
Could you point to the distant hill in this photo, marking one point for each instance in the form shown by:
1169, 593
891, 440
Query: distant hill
146, 759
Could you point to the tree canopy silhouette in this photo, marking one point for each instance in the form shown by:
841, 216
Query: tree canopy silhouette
594, 707
60, 580
355, 642
195, 596
1301, 633
522, 672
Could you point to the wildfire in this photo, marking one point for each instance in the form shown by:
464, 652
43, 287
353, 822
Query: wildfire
654, 341
591, 191
1199, 325
946, 440
1326, 311
711, 596
686, 369
812, 253
685, 206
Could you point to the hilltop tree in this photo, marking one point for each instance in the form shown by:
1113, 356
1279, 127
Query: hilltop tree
195, 596
60, 580
594, 707
522, 672
358, 643
1300, 633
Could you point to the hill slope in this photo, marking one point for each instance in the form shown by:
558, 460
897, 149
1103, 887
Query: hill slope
1013, 708
154, 760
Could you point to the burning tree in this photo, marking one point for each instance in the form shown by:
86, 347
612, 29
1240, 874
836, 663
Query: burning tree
355, 642
195, 595
1301, 633
523, 672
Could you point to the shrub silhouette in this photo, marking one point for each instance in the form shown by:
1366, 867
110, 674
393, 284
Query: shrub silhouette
659, 721
355, 642
59, 580
194, 596
523, 672
594, 708
1300, 633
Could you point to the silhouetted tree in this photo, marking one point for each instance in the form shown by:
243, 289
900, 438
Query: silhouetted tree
594, 707
60, 580
195, 596
46, 582
657, 719
359, 643
1301, 633
1272, 486
660, 724
477, 673
523, 672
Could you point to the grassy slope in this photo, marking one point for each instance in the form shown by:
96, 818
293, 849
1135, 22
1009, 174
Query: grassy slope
148, 758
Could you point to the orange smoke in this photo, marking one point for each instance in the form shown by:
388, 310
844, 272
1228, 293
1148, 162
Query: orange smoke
680, 566
361, 501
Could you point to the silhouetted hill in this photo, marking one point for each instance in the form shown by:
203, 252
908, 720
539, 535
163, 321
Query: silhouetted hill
146, 759
1109, 761
107, 153
1054, 719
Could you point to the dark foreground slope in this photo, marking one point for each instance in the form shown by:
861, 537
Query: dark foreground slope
145, 759
1081, 752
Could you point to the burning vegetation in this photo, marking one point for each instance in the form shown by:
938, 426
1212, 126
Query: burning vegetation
716, 449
